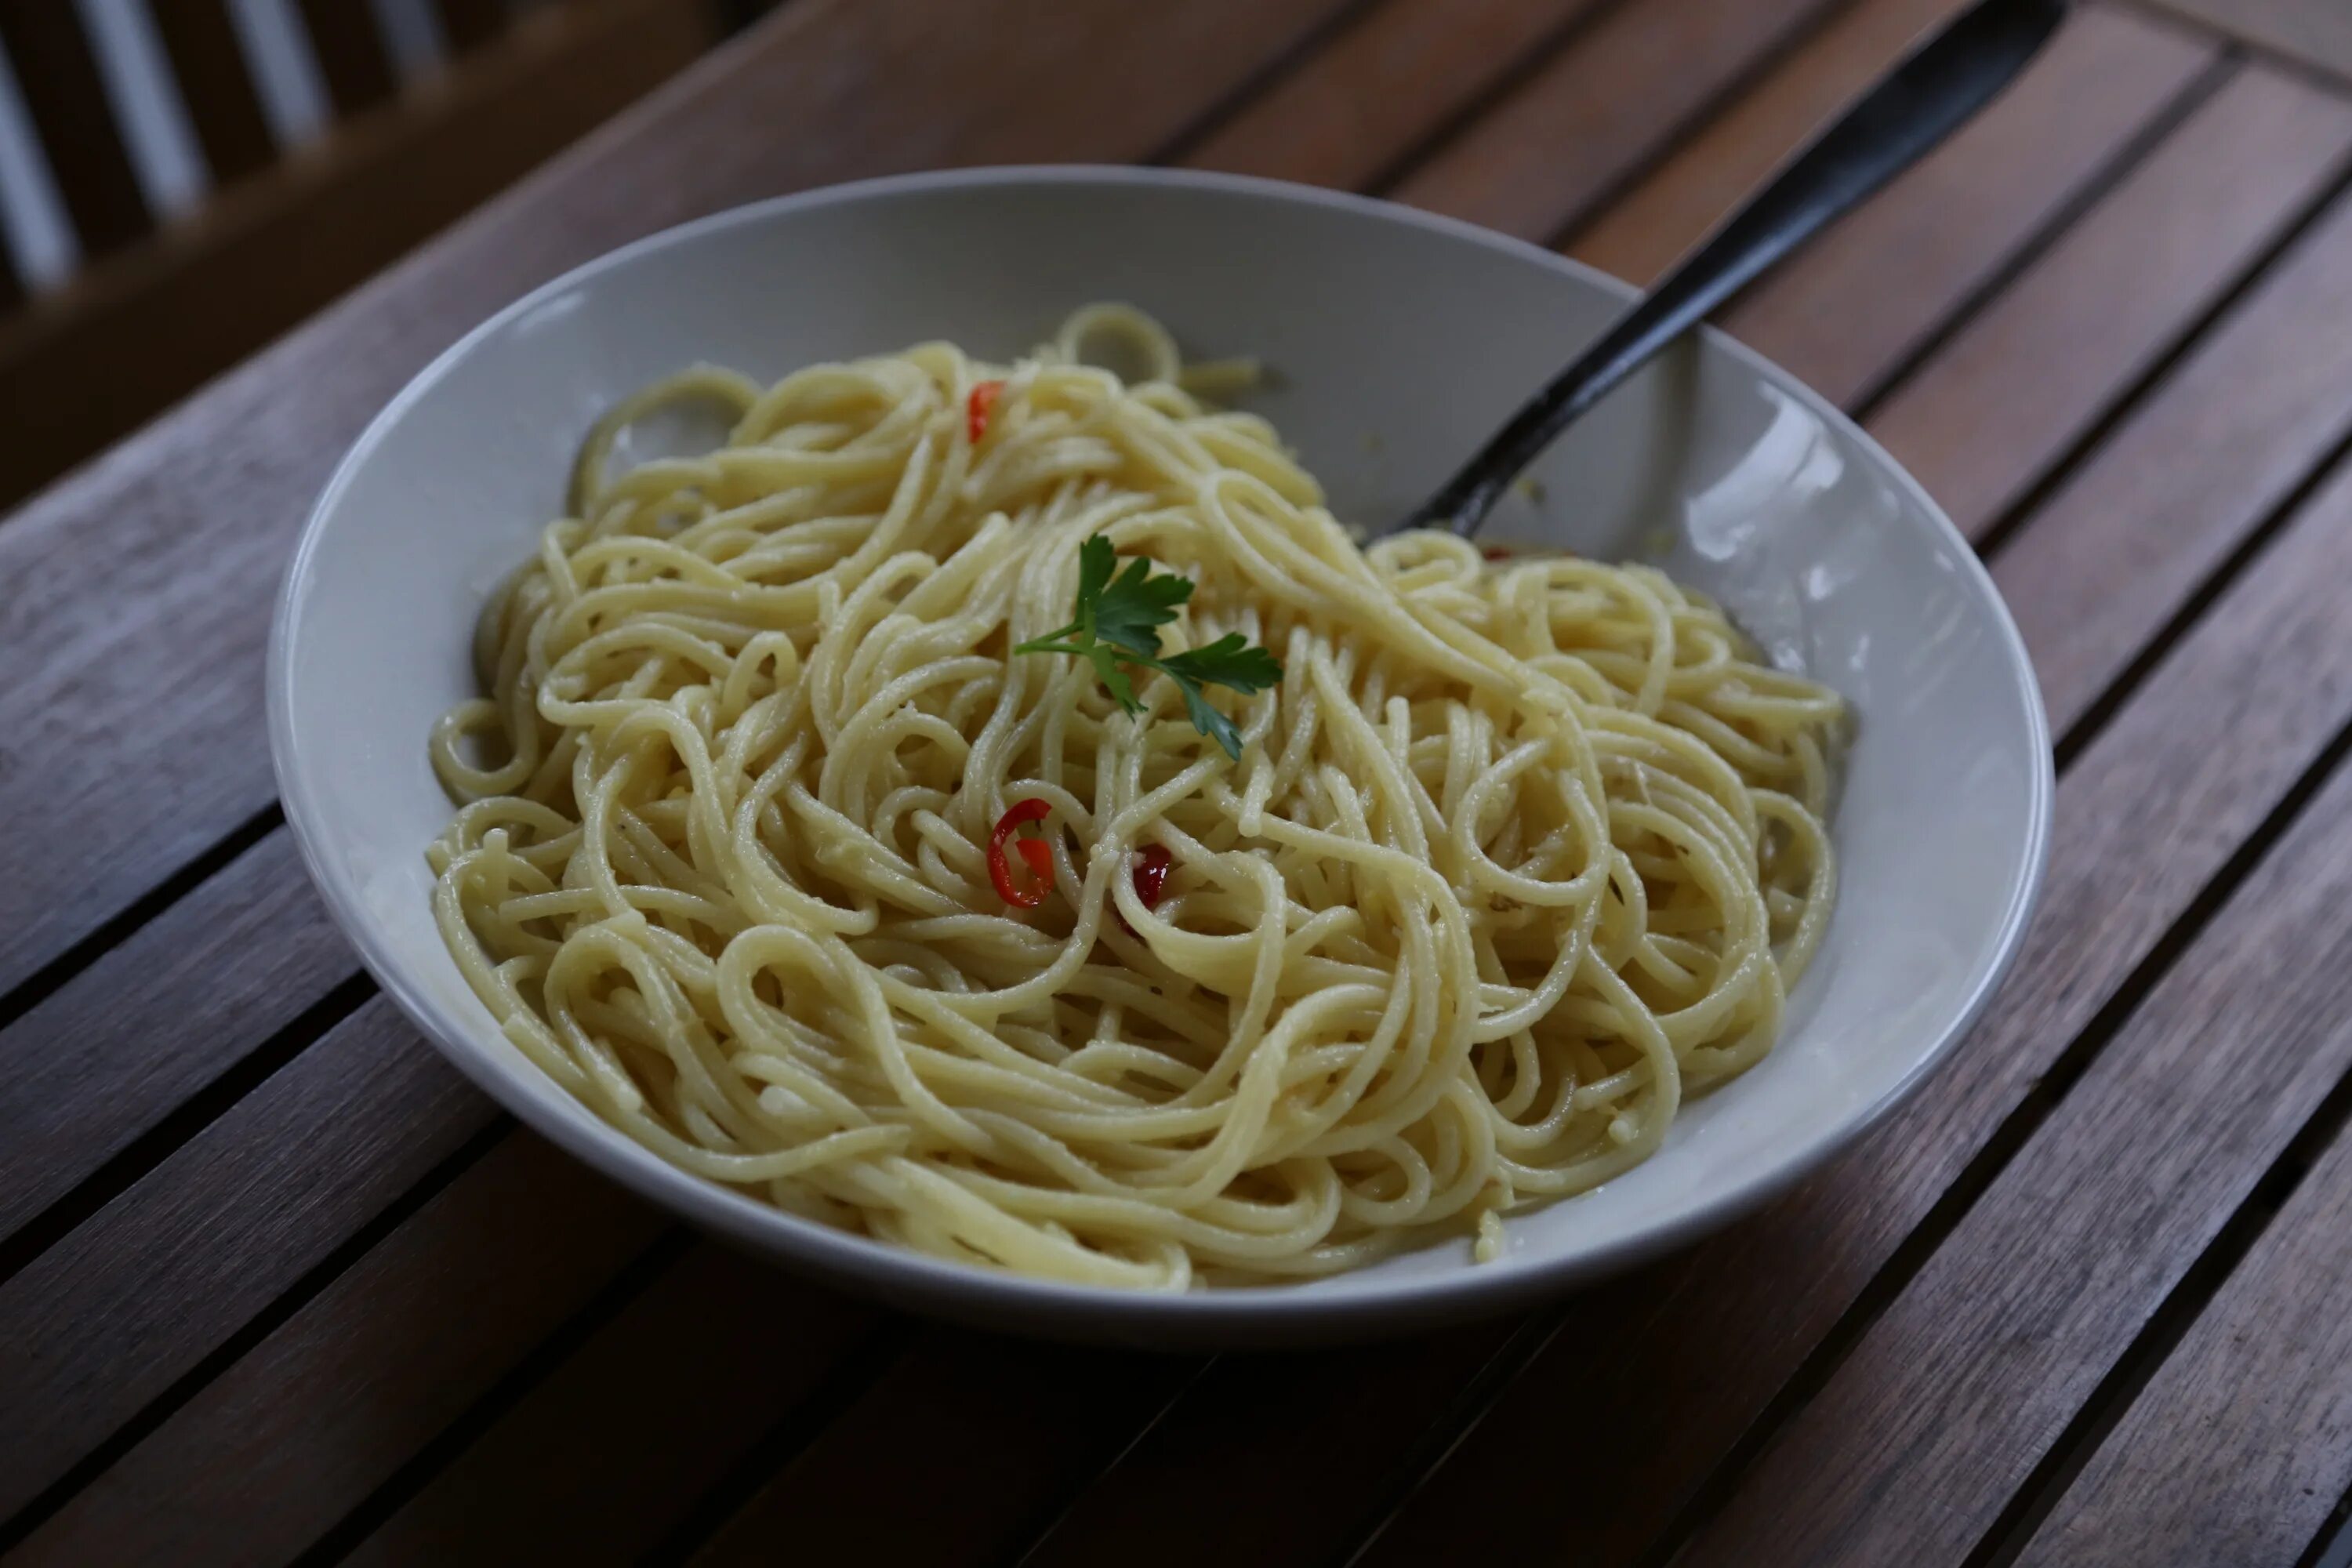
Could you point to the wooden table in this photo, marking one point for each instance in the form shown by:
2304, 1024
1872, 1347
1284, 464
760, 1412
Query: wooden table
276, 1285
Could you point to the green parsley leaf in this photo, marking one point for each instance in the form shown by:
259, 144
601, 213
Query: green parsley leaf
1120, 614
1130, 610
1231, 660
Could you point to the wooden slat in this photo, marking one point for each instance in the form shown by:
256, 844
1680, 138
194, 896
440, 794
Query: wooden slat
58, 76
108, 1318
150, 1024
268, 1455
2226, 439
198, 512
208, 65
2242, 1443
1872, 290
1373, 93
350, 53
135, 333
1920, 1439
2317, 31
1000, 1430
2030, 376
1672, 210
1591, 119
604, 1459
2211, 743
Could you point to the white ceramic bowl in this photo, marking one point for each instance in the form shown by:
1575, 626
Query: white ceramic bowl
1399, 339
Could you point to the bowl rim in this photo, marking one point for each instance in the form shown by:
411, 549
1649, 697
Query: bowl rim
1228, 1314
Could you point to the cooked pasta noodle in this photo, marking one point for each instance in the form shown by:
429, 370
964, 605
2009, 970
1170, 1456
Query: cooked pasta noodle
1518, 853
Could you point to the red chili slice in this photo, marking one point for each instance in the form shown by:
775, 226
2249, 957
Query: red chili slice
979, 406
1151, 873
1496, 553
1034, 851
1151, 864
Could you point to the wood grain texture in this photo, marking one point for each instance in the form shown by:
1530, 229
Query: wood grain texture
198, 512
1006, 1432
57, 77
2215, 737
2242, 1442
1372, 94
132, 336
1590, 121
2021, 384
209, 68
268, 1456
603, 1460
141, 1031
2248, 414
1874, 289
108, 1318
1672, 209
1921, 1436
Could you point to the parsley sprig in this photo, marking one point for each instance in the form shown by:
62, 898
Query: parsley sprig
1120, 614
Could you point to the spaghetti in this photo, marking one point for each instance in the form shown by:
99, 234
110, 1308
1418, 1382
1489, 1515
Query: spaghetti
1517, 854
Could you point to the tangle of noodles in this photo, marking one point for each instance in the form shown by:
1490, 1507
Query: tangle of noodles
1518, 854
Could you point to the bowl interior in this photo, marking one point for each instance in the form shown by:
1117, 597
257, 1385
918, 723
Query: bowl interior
1397, 342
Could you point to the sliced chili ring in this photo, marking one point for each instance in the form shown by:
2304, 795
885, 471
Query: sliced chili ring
1152, 865
1036, 851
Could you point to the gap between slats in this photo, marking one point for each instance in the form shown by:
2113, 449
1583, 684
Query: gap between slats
173, 1132
2332, 1547
2133, 154
608, 1303
2033, 1501
1996, 537
232, 1348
